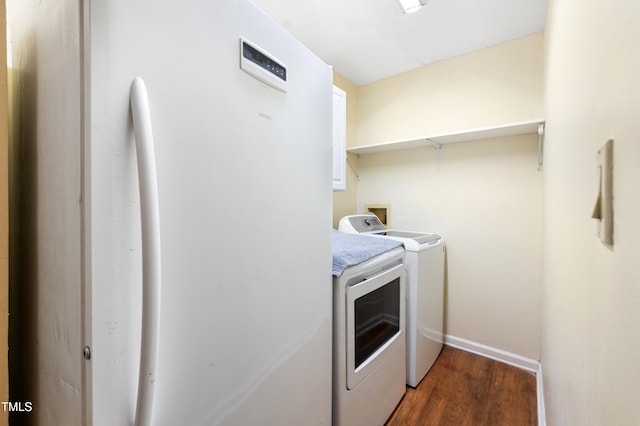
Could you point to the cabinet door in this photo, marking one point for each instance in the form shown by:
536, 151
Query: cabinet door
339, 139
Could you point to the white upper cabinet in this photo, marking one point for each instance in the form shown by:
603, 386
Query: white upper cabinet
339, 139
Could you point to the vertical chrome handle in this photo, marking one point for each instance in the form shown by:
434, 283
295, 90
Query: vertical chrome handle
151, 279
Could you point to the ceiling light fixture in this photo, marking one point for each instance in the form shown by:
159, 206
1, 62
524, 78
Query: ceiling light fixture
410, 6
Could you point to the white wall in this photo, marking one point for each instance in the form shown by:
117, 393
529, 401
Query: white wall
486, 198
591, 294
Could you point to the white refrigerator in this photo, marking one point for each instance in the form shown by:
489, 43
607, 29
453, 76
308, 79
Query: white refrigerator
238, 186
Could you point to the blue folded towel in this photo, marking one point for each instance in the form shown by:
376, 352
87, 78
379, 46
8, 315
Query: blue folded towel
352, 249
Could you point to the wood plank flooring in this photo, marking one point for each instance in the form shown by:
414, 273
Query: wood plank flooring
465, 389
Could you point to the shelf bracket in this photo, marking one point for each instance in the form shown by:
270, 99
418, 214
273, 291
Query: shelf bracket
438, 147
354, 168
540, 146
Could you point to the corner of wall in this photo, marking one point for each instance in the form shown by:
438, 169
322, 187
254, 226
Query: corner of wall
4, 223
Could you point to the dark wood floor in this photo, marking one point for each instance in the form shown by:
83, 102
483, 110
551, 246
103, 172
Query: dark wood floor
466, 389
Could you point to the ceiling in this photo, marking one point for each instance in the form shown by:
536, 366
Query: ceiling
368, 40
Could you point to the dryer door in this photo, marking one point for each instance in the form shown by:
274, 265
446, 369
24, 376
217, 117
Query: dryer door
375, 322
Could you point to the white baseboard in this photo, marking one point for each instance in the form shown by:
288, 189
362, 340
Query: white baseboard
492, 353
542, 414
510, 358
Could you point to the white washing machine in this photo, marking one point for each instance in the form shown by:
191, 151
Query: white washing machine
424, 261
368, 330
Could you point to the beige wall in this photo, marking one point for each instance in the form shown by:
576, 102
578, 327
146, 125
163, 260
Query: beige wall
486, 197
4, 221
486, 201
591, 294
45, 212
345, 202
493, 86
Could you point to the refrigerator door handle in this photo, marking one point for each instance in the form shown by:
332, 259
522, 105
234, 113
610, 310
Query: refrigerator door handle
151, 271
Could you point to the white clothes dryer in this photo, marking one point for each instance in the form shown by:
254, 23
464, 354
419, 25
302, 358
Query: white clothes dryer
369, 344
424, 261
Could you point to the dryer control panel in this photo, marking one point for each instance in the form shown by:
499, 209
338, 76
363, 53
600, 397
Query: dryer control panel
365, 223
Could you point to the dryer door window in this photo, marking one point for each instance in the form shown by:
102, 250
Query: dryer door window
377, 319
